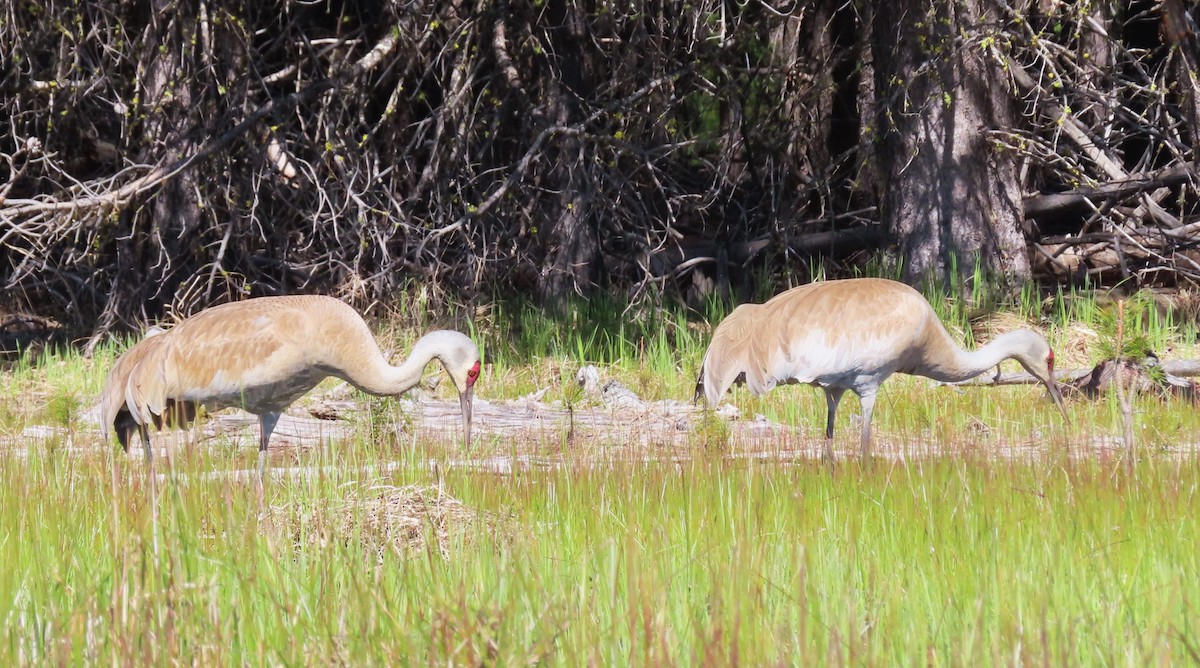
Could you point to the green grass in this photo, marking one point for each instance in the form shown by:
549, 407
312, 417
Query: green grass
948, 562
1055, 555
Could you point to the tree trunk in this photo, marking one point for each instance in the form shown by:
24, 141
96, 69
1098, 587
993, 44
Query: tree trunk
570, 243
1178, 29
174, 212
800, 46
948, 196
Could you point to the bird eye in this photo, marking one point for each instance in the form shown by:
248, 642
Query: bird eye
1050, 360
473, 372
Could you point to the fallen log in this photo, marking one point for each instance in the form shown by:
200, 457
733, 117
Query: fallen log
698, 251
1082, 200
1139, 377
27, 333
1091, 382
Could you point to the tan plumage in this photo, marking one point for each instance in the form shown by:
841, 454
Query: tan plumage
851, 335
118, 389
261, 355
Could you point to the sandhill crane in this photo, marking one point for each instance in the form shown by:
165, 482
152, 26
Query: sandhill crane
851, 335
261, 355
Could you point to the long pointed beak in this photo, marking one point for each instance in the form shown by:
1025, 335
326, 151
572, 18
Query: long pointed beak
1056, 396
464, 400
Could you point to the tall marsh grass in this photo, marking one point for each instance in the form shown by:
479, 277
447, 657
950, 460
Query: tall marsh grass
1055, 556
711, 561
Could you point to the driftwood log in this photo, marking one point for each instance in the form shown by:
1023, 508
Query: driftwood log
1170, 378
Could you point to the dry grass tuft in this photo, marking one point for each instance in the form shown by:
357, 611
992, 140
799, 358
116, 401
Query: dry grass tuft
987, 327
402, 521
1072, 345
1078, 343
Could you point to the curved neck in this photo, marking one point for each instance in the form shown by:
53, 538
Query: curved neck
381, 378
963, 365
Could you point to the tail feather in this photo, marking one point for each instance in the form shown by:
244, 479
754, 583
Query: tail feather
126, 403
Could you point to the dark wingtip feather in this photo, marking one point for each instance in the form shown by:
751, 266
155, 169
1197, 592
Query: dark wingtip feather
124, 426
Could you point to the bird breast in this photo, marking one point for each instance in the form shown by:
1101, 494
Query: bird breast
255, 394
835, 360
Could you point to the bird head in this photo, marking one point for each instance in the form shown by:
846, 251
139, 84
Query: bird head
1034, 353
460, 358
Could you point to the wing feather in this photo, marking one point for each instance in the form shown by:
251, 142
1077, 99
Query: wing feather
224, 350
119, 394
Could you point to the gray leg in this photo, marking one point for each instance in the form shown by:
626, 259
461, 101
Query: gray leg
266, 423
868, 405
832, 396
145, 433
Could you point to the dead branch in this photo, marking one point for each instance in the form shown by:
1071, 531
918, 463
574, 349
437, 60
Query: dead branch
1085, 199
16, 209
1077, 133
